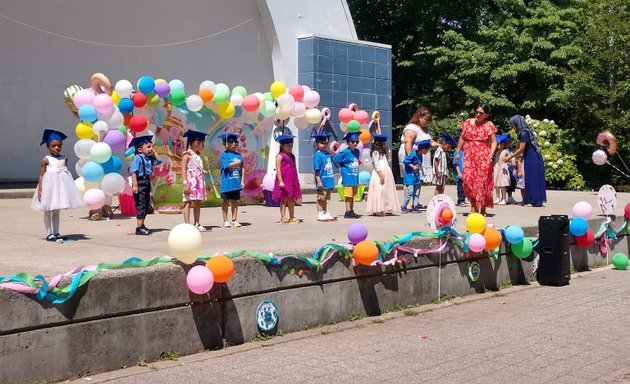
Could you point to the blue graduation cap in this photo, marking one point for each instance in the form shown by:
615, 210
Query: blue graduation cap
319, 138
351, 136
423, 144
191, 135
380, 138
448, 139
139, 141
230, 137
503, 138
52, 135
284, 139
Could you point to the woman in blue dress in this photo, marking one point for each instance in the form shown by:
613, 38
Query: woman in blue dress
534, 168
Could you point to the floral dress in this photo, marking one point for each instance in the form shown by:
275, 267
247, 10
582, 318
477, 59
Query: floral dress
195, 179
290, 178
478, 172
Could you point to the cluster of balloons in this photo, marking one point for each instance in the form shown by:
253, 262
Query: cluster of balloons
186, 245
609, 142
578, 227
365, 252
485, 237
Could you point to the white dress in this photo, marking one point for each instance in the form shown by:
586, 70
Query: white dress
382, 198
58, 188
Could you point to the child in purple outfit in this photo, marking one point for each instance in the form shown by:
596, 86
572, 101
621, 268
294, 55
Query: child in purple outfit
287, 186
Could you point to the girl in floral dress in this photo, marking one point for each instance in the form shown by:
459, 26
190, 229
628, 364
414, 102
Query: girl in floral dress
194, 180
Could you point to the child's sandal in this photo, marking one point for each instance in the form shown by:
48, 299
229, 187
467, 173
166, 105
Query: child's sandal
284, 221
293, 221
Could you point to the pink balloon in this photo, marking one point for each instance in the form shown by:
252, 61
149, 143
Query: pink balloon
311, 99
103, 103
582, 209
200, 279
299, 109
250, 103
83, 97
361, 116
477, 242
360, 147
115, 139
269, 181
345, 115
94, 199
297, 92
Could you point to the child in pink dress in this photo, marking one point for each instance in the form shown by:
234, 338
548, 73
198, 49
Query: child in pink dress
287, 186
194, 180
382, 198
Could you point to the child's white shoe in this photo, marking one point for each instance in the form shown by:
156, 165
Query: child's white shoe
329, 217
236, 224
227, 224
321, 216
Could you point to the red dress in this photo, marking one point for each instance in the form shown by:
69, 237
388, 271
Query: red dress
478, 172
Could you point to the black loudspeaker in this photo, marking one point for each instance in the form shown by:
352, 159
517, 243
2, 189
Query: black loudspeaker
554, 264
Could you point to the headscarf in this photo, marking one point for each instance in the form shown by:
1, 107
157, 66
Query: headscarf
522, 127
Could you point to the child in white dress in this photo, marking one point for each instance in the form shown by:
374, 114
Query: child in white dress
382, 198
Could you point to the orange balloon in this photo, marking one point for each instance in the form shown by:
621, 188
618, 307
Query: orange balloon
365, 136
206, 95
366, 252
446, 216
222, 268
127, 117
493, 238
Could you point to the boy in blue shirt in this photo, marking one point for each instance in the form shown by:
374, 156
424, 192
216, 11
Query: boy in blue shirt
459, 177
411, 179
324, 177
141, 169
232, 178
348, 161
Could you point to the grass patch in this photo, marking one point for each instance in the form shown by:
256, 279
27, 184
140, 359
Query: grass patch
445, 297
498, 294
531, 279
354, 316
84, 373
597, 265
262, 337
410, 312
326, 332
378, 321
308, 326
142, 363
168, 355
505, 284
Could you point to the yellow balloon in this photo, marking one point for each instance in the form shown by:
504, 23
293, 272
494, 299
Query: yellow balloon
283, 112
277, 89
185, 243
153, 100
115, 97
313, 115
160, 80
226, 111
475, 223
84, 130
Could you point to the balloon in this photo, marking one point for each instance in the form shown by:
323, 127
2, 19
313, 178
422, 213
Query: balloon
297, 92
239, 90
301, 122
311, 99
364, 177
361, 116
79, 182
93, 199
78, 167
222, 94
222, 268
199, 279
112, 184
82, 148
139, 100
620, 261
446, 216
586, 240
226, 111
360, 146
250, 103
354, 126
153, 100
113, 165
194, 103
270, 109
299, 109
83, 97
600, 157
365, 136
608, 140
582, 209
209, 85
357, 233
116, 121
343, 127
88, 113
125, 105
236, 99
475, 223
313, 115
177, 96
286, 99
185, 242
162, 89
514, 234
523, 249
277, 88
206, 95
176, 84
578, 226
103, 103
493, 238
366, 252
138, 123
123, 88
84, 130
626, 212
345, 115
265, 96
365, 156
116, 98
146, 84
476, 242
100, 152
268, 181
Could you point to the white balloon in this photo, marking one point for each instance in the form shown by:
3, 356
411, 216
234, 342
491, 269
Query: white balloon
112, 184
313, 115
194, 103
82, 148
208, 85
100, 127
78, 167
365, 156
123, 88
286, 99
600, 157
343, 127
283, 112
300, 122
80, 184
299, 109
236, 99
116, 120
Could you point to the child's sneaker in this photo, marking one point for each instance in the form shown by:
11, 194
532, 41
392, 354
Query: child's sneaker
321, 216
417, 209
511, 201
404, 210
227, 224
236, 224
329, 217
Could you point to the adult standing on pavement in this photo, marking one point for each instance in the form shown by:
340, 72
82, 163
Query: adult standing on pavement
479, 140
534, 167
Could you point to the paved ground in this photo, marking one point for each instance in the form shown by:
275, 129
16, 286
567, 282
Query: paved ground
25, 250
573, 334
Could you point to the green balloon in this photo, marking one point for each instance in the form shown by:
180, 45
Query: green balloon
268, 96
239, 89
354, 126
222, 96
620, 261
523, 249
270, 109
177, 96
123, 130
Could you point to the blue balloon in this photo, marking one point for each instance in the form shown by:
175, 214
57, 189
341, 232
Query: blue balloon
146, 85
514, 234
364, 177
88, 113
578, 226
125, 105
113, 165
92, 172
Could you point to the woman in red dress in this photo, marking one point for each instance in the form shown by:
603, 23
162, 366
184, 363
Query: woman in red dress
479, 140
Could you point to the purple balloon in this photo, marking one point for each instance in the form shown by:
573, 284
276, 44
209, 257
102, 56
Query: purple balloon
357, 233
115, 139
162, 89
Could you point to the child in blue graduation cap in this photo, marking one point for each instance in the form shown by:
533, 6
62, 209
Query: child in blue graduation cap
502, 177
287, 185
348, 161
193, 175
141, 169
458, 164
413, 163
382, 198
232, 178
56, 189
324, 177
440, 163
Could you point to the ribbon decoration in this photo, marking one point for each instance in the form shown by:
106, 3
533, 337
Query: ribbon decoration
325, 119
376, 123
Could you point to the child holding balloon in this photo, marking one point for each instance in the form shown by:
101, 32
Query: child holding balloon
287, 186
194, 180
56, 189
382, 198
348, 161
